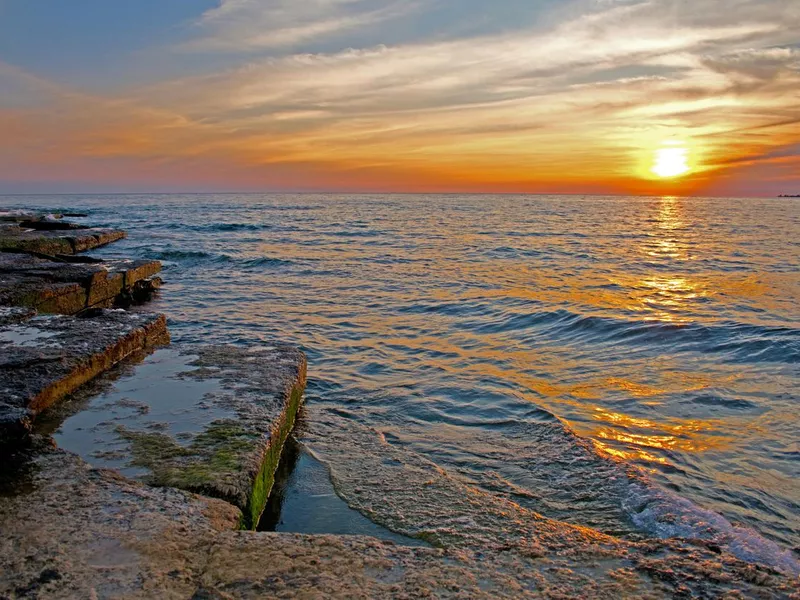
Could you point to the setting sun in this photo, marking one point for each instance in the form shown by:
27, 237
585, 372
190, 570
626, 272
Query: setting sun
670, 162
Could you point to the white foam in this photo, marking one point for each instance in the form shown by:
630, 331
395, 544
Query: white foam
665, 514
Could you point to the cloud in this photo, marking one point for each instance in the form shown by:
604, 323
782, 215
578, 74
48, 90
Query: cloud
583, 103
246, 25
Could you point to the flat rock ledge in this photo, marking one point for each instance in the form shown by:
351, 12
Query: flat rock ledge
71, 531
44, 358
249, 399
74, 531
54, 285
55, 241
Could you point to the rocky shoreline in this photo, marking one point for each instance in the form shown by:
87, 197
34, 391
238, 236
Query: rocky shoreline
201, 451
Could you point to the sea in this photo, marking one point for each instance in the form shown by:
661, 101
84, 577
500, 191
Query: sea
625, 364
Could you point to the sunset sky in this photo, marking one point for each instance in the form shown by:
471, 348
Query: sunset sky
550, 96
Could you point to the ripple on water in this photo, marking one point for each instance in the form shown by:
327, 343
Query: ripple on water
663, 330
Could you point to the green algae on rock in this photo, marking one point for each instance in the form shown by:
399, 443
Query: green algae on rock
213, 422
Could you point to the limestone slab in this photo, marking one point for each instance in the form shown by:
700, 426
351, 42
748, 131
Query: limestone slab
44, 358
28, 216
58, 241
53, 285
213, 421
70, 531
73, 531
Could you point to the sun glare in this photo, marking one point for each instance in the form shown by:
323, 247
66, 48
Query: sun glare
670, 162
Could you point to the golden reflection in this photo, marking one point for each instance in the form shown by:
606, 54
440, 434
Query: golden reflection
626, 437
630, 454
669, 221
670, 215
635, 389
668, 297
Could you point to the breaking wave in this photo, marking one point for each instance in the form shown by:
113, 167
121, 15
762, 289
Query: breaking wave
665, 514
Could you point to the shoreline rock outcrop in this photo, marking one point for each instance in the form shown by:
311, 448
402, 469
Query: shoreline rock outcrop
45, 358
14, 237
51, 284
23, 231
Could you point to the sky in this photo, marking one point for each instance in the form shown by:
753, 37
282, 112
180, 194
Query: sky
668, 97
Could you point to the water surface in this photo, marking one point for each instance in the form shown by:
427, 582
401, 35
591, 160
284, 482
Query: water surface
627, 364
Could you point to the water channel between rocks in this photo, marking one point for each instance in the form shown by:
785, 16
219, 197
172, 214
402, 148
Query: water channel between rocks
156, 396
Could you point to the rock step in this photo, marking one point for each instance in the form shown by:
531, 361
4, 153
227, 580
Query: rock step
72, 531
44, 358
213, 421
52, 285
55, 241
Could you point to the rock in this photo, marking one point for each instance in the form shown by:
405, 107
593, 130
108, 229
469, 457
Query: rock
15, 314
21, 216
42, 359
41, 221
79, 532
236, 407
52, 285
70, 531
18, 238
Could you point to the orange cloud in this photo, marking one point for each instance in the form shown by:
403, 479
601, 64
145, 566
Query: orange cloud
584, 108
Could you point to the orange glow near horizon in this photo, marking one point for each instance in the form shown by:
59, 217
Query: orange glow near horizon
613, 106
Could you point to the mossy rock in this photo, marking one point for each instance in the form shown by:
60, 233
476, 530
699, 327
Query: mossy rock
233, 459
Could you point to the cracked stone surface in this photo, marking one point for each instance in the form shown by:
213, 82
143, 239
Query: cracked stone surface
77, 532
70, 530
218, 428
55, 286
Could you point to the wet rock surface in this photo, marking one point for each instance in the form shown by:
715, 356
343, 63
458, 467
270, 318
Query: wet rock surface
53, 285
10, 315
76, 531
54, 238
40, 221
409, 494
44, 358
84, 532
213, 421
26, 216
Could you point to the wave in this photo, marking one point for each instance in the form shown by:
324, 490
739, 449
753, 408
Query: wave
732, 340
664, 514
180, 255
199, 257
215, 227
653, 509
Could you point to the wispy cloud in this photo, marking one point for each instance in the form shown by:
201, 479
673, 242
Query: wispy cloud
247, 25
601, 90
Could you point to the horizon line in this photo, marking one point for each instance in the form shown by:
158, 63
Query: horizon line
384, 193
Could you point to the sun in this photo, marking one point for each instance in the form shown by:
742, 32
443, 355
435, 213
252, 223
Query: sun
671, 162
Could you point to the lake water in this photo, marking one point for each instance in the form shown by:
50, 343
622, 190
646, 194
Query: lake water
626, 364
